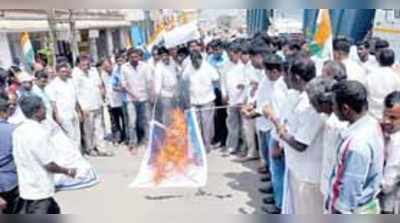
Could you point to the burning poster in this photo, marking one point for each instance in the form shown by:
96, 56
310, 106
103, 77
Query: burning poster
175, 156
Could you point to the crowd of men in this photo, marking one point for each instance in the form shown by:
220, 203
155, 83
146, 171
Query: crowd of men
325, 131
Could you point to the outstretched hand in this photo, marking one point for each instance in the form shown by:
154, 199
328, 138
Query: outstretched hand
3, 204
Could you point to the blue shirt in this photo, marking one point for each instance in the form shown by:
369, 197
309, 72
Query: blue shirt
8, 171
116, 81
218, 61
357, 175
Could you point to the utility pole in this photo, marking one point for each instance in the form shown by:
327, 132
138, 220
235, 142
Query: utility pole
72, 30
52, 45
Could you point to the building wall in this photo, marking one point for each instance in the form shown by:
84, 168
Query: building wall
5, 52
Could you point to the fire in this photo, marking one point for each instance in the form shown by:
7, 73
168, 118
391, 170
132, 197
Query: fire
173, 157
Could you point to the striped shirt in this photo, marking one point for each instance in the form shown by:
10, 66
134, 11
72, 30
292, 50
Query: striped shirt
357, 174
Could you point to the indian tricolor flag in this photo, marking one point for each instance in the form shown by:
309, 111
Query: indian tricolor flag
321, 45
27, 49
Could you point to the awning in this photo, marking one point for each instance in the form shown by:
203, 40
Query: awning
43, 26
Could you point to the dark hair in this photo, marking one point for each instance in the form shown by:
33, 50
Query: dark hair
216, 44
245, 48
195, 55
258, 49
352, 94
273, 62
61, 59
140, 52
162, 50
364, 43
30, 104
62, 65
303, 68
41, 74
183, 51
3, 77
119, 55
196, 41
263, 36
134, 51
83, 57
392, 99
295, 45
386, 57
381, 44
342, 44
3, 105
234, 47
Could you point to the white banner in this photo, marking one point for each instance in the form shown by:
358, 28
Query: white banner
182, 34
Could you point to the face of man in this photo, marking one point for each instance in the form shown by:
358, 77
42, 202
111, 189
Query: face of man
295, 82
341, 111
196, 62
256, 61
326, 72
107, 66
12, 104
165, 58
27, 85
173, 52
120, 60
194, 47
84, 65
391, 119
234, 56
134, 59
51, 73
273, 74
245, 58
41, 113
42, 82
64, 73
362, 53
337, 56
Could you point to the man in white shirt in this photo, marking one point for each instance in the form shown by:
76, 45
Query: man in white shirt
249, 125
114, 102
341, 53
165, 87
64, 101
233, 85
201, 77
365, 59
136, 80
275, 105
89, 90
257, 53
34, 160
301, 145
153, 62
390, 195
320, 92
381, 81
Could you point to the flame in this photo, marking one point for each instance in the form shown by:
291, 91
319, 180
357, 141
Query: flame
173, 157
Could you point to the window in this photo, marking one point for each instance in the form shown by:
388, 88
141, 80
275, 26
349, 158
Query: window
397, 13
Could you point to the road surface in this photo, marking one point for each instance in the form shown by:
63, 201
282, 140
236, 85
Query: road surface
231, 189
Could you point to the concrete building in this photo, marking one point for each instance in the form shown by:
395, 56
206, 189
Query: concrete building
98, 32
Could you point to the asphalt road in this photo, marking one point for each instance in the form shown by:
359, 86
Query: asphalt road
231, 189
